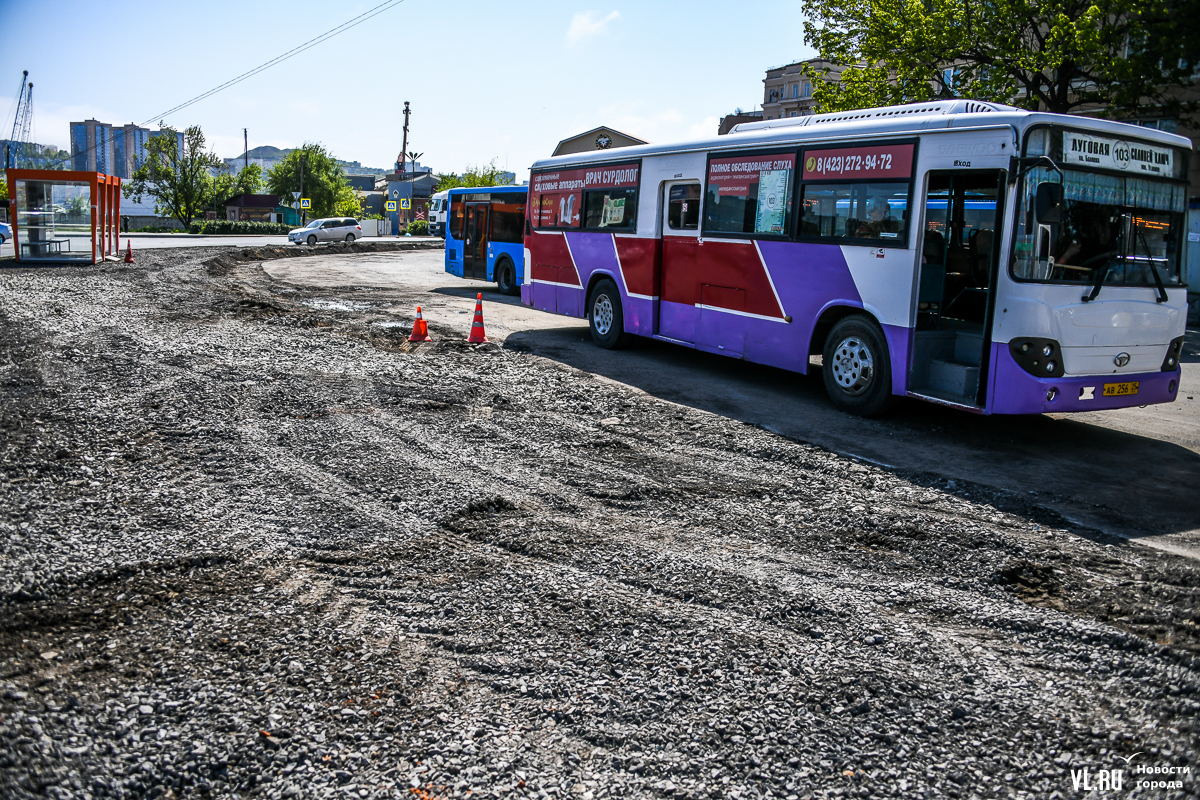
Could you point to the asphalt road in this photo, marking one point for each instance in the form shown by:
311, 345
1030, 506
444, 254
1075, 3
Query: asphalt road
1130, 473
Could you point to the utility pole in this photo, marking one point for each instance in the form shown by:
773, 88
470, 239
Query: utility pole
303, 214
403, 158
246, 134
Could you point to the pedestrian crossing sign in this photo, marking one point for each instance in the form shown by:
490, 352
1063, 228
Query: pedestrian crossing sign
391, 205
305, 202
406, 204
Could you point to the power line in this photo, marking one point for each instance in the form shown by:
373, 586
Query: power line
295, 51
329, 34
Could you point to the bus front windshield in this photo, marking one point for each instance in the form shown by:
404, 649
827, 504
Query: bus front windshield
1128, 228
1115, 231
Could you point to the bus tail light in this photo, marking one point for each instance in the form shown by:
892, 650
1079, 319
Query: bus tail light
1174, 351
1040, 357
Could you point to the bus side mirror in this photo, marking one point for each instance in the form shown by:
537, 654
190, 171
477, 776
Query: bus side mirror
1047, 203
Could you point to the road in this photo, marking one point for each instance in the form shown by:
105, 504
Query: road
1130, 473
143, 241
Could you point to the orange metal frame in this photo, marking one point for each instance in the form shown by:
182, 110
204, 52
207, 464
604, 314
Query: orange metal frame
106, 205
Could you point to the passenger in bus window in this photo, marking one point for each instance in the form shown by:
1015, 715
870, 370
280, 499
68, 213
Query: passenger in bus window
879, 220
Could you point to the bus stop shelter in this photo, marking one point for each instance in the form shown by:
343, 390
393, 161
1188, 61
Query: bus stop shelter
64, 215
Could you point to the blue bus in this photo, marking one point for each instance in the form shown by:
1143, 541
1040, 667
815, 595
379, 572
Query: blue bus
485, 233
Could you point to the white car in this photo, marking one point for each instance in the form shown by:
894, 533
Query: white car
5, 232
331, 229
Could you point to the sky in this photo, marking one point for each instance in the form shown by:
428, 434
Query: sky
486, 81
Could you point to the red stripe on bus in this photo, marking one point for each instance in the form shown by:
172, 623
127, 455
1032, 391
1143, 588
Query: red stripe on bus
551, 259
639, 264
688, 265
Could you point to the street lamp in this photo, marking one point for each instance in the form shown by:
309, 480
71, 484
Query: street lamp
411, 181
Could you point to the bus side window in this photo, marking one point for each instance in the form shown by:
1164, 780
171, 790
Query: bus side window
683, 208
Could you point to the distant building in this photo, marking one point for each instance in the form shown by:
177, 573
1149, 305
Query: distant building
251, 208
788, 92
736, 118
602, 138
416, 187
100, 147
362, 183
92, 147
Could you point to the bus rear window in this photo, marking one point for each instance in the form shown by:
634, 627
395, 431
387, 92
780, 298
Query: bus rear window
750, 194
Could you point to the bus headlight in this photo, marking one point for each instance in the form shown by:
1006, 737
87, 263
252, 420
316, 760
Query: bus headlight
1174, 351
1037, 356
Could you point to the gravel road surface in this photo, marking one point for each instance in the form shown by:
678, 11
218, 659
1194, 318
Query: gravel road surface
255, 544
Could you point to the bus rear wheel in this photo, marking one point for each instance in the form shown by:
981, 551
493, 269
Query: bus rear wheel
857, 368
606, 319
506, 278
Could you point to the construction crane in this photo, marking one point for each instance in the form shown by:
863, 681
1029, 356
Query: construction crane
22, 125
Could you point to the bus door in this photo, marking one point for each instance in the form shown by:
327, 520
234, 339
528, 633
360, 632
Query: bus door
680, 245
475, 245
956, 284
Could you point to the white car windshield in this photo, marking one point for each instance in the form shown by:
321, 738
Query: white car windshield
316, 223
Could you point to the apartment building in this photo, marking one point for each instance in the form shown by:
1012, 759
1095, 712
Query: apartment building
100, 147
788, 91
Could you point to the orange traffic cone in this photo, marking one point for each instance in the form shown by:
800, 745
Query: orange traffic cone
420, 332
128, 251
477, 335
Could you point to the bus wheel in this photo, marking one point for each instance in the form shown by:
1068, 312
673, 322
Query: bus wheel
607, 320
857, 369
506, 278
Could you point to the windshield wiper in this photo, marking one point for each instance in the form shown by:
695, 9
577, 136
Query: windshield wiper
1101, 274
1158, 284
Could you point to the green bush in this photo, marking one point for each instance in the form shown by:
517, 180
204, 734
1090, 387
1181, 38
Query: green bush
418, 227
223, 227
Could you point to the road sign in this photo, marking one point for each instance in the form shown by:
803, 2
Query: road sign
295, 195
406, 204
391, 205
296, 205
305, 202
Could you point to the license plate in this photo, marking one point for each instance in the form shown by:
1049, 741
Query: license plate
1120, 389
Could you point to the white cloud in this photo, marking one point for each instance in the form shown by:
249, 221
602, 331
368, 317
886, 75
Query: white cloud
589, 23
705, 128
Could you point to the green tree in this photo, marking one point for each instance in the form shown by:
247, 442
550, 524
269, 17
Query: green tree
490, 175
249, 180
347, 204
1058, 55
323, 179
179, 179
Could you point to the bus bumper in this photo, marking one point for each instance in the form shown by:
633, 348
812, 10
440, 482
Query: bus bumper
1015, 391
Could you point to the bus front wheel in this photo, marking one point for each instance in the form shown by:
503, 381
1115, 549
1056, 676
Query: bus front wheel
857, 368
606, 318
506, 278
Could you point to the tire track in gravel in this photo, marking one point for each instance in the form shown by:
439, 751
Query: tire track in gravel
676, 605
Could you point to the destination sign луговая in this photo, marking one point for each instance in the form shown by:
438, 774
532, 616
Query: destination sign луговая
1105, 153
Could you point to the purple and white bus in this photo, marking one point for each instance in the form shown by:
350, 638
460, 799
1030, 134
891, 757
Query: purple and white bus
969, 254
